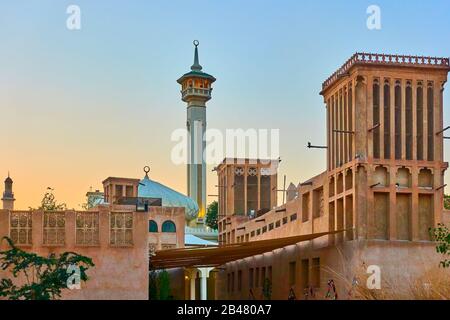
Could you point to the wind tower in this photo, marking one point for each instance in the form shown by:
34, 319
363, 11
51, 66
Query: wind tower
196, 91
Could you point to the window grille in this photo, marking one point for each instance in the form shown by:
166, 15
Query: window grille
20, 231
54, 228
87, 229
121, 229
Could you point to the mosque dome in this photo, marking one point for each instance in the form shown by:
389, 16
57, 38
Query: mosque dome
169, 197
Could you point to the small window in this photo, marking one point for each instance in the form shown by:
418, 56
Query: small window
264, 229
278, 224
293, 217
285, 220
152, 226
316, 272
258, 232
292, 273
271, 226
232, 281
263, 275
168, 226
269, 273
252, 234
257, 277
239, 280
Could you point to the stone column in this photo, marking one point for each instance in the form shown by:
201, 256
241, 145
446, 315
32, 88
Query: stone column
192, 277
204, 275
403, 117
331, 135
340, 127
327, 103
245, 189
392, 112
369, 118
381, 122
361, 117
425, 119
414, 118
335, 138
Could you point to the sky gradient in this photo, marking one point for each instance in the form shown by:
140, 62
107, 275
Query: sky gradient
79, 106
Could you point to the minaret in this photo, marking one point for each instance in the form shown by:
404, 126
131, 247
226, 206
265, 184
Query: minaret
8, 195
196, 91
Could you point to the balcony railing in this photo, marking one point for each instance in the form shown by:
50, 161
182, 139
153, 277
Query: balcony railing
206, 92
386, 59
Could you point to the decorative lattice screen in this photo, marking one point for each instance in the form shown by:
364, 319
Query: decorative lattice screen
87, 230
121, 228
54, 228
20, 227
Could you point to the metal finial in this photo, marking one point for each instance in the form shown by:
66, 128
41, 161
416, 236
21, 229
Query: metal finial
196, 66
146, 170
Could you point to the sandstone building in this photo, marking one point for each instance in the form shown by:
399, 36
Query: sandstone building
383, 187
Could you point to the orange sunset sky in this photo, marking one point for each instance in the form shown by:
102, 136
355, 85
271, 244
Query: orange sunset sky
79, 106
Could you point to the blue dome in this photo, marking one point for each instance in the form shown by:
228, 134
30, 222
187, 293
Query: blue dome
169, 197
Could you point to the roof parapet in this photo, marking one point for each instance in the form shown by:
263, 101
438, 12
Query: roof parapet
363, 58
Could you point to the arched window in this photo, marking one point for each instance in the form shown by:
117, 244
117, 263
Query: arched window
152, 226
168, 226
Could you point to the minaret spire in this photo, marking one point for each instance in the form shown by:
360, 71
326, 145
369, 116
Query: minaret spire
8, 195
196, 66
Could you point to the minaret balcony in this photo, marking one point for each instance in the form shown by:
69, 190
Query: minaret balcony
204, 93
8, 195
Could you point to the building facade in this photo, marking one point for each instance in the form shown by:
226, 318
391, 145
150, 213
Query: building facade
166, 208
247, 190
114, 237
118, 233
383, 187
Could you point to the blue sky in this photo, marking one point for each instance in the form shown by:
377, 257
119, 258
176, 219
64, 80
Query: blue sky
103, 100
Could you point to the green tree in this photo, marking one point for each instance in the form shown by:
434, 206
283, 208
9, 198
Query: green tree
447, 201
49, 203
45, 278
441, 234
164, 285
153, 285
211, 215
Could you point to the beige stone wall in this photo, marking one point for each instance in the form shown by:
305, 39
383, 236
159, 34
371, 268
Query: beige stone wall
167, 240
120, 272
400, 262
446, 217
